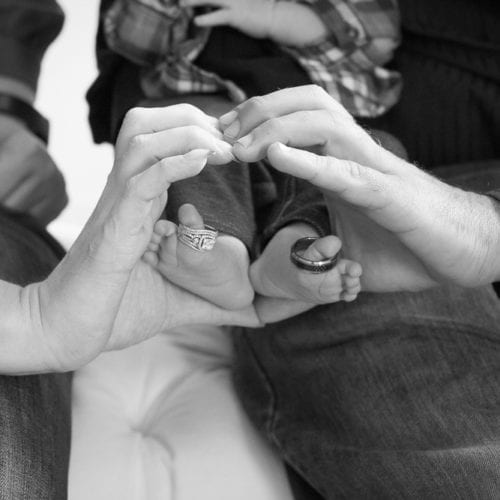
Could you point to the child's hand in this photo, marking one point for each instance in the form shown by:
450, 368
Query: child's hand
252, 17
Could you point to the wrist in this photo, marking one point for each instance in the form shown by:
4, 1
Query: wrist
43, 354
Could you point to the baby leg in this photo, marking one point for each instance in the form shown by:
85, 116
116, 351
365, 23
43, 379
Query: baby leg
273, 274
219, 275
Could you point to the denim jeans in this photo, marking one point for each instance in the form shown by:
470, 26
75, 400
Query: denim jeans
34, 410
392, 396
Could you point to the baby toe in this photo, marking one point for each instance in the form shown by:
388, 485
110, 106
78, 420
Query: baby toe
323, 248
189, 216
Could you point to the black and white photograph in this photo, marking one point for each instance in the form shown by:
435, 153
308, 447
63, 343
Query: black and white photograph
249, 249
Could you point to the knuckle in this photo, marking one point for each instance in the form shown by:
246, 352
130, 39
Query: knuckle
195, 133
131, 185
138, 142
321, 163
134, 117
272, 127
317, 91
257, 104
355, 170
190, 111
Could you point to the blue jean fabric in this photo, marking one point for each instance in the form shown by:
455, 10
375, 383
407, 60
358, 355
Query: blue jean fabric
391, 396
34, 410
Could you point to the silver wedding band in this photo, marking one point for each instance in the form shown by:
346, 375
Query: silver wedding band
313, 266
201, 240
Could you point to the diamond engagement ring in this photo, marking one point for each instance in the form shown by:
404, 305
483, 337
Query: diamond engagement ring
201, 240
313, 266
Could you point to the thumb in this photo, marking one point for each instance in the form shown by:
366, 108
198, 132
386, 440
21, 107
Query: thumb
349, 181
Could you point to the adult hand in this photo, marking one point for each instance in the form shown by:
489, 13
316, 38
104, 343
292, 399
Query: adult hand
252, 17
408, 230
103, 295
30, 182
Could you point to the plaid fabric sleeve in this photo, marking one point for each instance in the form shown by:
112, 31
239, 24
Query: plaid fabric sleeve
141, 30
348, 61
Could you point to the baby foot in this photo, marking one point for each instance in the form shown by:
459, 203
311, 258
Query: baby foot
274, 275
219, 275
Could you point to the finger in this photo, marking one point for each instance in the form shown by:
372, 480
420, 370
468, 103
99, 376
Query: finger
257, 110
357, 185
219, 17
204, 3
155, 180
300, 129
150, 120
146, 149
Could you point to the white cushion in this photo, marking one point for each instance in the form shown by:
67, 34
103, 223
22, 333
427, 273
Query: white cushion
161, 420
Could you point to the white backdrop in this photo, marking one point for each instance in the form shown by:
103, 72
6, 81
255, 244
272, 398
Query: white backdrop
67, 72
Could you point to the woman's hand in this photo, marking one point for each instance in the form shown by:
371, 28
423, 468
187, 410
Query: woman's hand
407, 229
102, 287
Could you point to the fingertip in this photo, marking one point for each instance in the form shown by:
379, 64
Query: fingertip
199, 154
226, 119
221, 154
276, 148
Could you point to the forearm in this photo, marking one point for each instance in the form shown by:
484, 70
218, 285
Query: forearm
295, 24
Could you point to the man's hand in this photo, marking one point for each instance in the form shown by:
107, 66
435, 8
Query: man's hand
407, 229
30, 182
252, 17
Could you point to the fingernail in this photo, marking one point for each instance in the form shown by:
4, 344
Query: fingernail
233, 129
234, 159
222, 147
227, 118
245, 141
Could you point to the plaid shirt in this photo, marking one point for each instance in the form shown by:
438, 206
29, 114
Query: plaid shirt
347, 63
